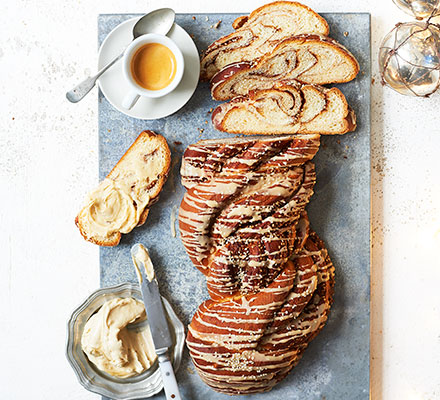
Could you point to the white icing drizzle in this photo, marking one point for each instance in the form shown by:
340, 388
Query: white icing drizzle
213, 194
173, 222
248, 355
238, 222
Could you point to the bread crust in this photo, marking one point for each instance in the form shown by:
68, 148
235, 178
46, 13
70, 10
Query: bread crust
221, 115
242, 70
111, 241
333, 43
115, 238
240, 21
269, 276
210, 64
297, 322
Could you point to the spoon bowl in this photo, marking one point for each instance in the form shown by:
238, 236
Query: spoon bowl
158, 21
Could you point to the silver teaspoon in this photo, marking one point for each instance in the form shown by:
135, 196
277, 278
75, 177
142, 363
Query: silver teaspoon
158, 21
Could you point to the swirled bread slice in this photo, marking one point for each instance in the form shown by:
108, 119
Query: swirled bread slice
122, 200
258, 34
310, 59
288, 107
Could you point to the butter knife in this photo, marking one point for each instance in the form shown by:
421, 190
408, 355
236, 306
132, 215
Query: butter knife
156, 318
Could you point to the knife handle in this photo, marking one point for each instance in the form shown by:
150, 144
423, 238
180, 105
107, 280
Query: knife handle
168, 377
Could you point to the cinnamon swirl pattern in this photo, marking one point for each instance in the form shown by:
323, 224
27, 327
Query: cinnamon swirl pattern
258, 34
243, 224
307, 58
288, 107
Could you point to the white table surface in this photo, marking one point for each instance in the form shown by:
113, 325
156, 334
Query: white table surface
49, 160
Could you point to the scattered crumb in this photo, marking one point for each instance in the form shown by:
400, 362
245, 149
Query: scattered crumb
109, 130
192, 36
201, 130
216, 25
177, 142
338, 141
194, 18
206, 19
13, 118
345, 33
210, 111
379, 168
345, 157
190, 370
206, 121
173, 221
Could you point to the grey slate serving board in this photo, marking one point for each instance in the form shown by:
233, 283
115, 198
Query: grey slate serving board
336, 364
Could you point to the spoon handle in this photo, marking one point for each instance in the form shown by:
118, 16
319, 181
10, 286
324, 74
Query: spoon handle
80, 91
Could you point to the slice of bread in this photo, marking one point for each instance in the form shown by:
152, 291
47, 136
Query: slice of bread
286, 108
259, 33
122, 200
308, 58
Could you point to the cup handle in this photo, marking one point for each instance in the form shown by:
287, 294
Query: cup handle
130, 100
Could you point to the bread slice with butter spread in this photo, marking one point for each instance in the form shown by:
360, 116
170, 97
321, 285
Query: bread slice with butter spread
122, 200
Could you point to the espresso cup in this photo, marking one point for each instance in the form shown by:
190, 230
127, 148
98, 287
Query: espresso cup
153, 67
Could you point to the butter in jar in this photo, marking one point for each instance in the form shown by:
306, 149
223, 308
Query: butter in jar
111, 346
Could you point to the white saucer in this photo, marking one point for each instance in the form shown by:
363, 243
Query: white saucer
114, 86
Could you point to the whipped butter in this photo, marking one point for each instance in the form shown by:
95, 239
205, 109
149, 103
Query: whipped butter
141, 259
114, 348
120, 201
109, 209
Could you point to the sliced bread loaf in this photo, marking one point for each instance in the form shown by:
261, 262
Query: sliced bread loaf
122, 200
308, 58
259, 33
288, 107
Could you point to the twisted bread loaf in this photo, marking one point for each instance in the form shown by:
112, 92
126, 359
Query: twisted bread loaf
248, 344
244, 197
243, 224
308, 58
259, 33
286, 108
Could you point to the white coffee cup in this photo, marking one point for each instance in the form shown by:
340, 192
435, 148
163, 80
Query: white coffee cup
135, 89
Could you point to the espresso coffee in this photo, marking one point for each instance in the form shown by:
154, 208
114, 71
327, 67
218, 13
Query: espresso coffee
153, 66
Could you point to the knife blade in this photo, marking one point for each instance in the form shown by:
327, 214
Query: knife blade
156, 318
